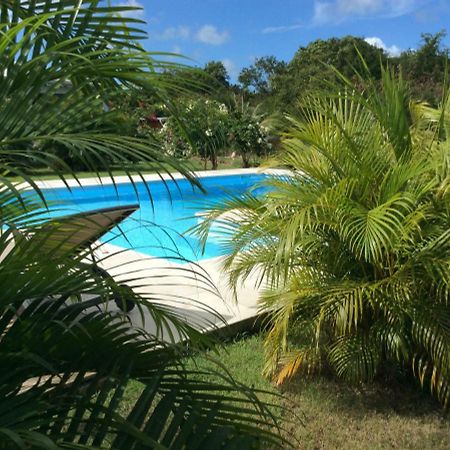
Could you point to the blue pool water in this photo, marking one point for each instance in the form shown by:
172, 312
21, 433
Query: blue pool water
158, 228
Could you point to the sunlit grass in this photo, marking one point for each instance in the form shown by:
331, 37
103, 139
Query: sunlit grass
327, 414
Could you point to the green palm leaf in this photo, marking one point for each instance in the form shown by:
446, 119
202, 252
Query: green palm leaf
352, 243
66, 357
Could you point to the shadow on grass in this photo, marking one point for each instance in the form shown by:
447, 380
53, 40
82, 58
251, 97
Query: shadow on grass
400, 397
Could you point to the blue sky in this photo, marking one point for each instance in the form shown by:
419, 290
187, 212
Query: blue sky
237, 31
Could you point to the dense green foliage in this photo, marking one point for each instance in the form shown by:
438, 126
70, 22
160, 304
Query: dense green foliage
201, 129
425, 67
249, 137
217, 71
276, 87
209, 129
259, 76
65, 359
353, 242
279, 85
312, 68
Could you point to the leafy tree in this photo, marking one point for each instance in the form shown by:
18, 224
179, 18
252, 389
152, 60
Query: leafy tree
258, 77
218, 72
248, 135
313, 67
424, 68
65, 363
429, 59
202, 129
353, 241
207, 128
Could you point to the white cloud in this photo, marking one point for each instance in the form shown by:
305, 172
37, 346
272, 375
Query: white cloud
171, 33
393, 50
230, 66
138, 13
209, 34
340, 10
281, 28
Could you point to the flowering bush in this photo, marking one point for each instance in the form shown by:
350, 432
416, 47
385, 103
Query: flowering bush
203, 131
208, 128
248, 136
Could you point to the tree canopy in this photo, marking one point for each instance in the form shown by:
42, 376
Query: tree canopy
425, 67
313, 67
217, 71
259, 76
279, 85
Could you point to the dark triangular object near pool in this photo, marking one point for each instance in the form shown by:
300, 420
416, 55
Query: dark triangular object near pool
78, 231
72, 234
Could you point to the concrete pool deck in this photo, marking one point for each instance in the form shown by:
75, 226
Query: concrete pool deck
196, 292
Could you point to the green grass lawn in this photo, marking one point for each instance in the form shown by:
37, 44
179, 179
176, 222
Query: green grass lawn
331, 415
193, 163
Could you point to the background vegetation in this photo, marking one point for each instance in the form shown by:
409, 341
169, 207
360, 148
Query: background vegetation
268, 89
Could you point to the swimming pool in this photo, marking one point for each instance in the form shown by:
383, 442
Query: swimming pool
158, 227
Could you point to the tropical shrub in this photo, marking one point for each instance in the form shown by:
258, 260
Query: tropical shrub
65, 363
201, 128
353, 241
208, 129
248, 134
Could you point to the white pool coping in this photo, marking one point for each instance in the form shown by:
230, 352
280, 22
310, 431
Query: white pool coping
153, 177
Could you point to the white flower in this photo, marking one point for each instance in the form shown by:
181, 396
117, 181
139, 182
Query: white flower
209, 132
259, 140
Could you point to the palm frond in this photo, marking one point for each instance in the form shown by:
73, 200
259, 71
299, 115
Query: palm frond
66, 355
353, 241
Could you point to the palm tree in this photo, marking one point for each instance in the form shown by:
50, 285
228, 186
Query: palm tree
353, 241
65, 363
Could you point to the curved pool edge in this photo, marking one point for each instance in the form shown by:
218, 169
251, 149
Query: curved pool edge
239, 313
